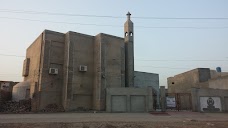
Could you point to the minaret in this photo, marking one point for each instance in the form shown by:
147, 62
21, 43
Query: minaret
129, 51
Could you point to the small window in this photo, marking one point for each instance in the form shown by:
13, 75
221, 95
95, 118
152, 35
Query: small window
172, 82
131, 34
126, 34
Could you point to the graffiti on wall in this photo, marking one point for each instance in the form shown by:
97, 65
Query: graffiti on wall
210, 104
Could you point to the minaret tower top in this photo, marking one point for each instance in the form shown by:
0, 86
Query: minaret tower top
128, 28
129, 16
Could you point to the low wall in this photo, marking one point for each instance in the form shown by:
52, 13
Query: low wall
209, 100
129, 99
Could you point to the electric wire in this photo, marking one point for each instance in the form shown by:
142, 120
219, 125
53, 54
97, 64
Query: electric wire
135, 59
178, 60
114, 26
109, 16
11, 55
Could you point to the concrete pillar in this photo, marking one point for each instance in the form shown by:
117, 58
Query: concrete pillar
163, 98
150, 100
194, 94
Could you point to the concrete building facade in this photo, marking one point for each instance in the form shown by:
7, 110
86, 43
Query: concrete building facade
145, 79
203, 80
182, 83
219, 82
197, 78
129, 99
74, 70
216, 100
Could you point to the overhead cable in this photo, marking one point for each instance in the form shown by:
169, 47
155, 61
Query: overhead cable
105, 25
109, 16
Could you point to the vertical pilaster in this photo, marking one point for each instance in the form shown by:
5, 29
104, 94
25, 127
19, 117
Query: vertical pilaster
163, 98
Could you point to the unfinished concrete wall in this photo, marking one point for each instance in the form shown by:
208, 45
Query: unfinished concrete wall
183, 82
109, 66
33, 53
202, 84
144, 79
219, 83
129, 99
215, 74
79, 85
50, 85
102, 55
113, 60
217, 94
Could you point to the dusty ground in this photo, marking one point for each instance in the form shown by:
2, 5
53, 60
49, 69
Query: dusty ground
115, 120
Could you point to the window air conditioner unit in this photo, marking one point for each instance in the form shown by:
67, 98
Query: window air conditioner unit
82, 68
53, 71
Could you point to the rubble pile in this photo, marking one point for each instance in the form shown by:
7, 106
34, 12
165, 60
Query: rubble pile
53, 108
22, 106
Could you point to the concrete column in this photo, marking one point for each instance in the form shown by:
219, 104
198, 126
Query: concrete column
194, 94
150, 100
163, 98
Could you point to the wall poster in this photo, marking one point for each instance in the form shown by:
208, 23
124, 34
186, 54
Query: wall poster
210, 104
170, 102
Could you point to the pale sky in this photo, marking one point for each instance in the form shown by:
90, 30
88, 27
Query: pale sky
175, 46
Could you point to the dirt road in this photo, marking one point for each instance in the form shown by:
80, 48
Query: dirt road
115, 120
